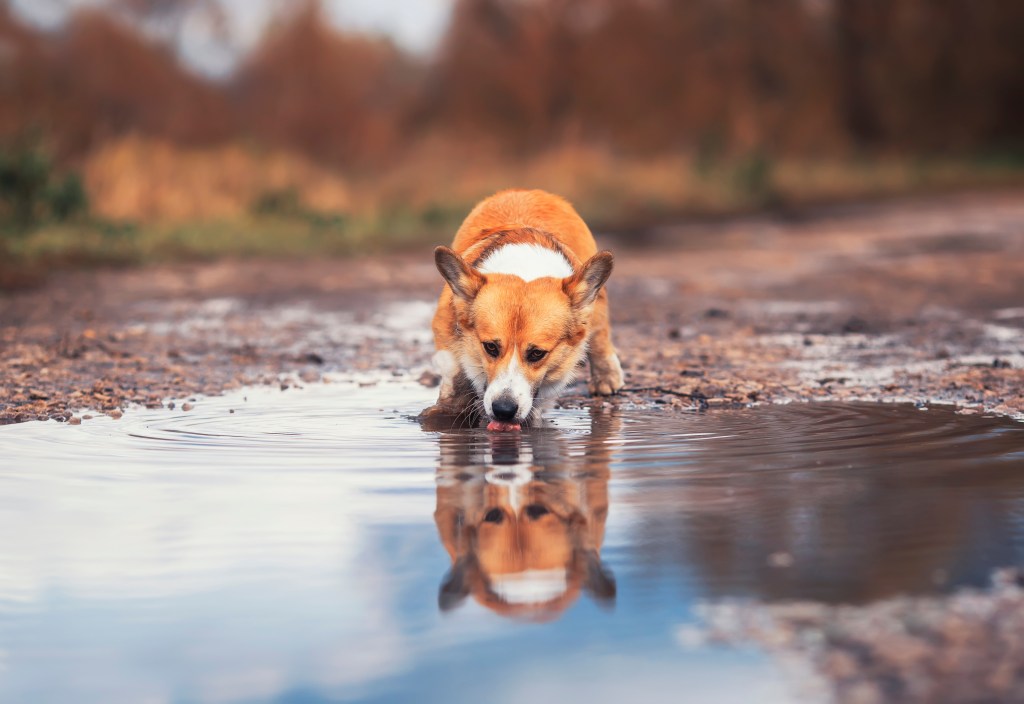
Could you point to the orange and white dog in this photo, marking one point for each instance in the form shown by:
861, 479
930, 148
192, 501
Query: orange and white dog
524, 303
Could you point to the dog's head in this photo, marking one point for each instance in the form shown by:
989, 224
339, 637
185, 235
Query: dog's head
522, 338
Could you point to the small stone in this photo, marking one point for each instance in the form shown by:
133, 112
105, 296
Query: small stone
115, 414
429, 379
187, 407
780, 559
74, 420
855, 324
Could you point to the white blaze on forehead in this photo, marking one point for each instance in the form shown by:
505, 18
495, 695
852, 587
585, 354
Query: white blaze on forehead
510, 382
527, 261
514, 479
530, 586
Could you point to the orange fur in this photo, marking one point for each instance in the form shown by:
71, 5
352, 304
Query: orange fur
562, 317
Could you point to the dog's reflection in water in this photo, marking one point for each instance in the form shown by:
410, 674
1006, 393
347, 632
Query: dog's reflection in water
523, 522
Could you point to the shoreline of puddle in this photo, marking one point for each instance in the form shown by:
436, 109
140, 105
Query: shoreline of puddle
576, 398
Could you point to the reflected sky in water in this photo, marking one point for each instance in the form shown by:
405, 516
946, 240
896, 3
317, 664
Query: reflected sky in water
318, 545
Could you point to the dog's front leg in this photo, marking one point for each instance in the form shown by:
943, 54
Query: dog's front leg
456, 401
448, 368
606, 375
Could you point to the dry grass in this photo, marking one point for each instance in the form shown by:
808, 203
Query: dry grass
612, 190
154, 202
148, 180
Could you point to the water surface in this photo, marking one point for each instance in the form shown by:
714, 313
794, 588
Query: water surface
317, 545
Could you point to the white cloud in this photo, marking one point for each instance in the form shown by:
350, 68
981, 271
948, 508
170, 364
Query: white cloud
415, 25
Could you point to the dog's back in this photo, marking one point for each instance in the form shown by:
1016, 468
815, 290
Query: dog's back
536, 210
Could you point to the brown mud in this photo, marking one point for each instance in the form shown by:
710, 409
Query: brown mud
965, 647
919, 301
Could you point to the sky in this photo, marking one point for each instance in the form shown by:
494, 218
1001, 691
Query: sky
415, 25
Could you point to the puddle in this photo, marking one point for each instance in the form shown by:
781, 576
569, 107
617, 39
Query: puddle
316, 545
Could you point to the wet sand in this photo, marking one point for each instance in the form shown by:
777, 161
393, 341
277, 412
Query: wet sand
919, 301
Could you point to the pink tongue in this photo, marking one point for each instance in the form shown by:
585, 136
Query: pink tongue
502, 427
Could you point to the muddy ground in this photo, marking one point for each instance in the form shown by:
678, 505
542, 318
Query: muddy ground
965, 647
918, 301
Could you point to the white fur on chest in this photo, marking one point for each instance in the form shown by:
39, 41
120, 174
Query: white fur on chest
527, 261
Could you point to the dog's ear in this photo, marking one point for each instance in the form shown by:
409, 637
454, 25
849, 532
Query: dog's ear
464, 281
599, 582
583, 286
455, 585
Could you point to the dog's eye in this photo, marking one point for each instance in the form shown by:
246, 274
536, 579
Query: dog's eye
536, 355
494, 516
492, 349
536, 511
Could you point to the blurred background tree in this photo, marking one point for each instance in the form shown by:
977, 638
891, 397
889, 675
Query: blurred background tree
637, 109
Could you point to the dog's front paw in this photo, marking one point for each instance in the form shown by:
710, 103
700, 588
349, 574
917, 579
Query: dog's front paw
606, 376
447, 416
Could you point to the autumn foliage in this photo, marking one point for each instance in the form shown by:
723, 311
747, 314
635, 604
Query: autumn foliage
516, 79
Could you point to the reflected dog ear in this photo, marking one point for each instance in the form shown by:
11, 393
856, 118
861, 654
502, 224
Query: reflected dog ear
599, 582
464, 280
455, 585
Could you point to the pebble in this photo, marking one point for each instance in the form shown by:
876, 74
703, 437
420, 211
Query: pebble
187, 406
429, 379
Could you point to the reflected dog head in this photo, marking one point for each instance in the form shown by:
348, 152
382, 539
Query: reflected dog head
523, 530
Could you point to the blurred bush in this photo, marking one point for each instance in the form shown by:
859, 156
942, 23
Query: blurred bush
32, 192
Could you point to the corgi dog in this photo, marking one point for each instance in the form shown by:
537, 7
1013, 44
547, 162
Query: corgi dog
522, 524
523, 304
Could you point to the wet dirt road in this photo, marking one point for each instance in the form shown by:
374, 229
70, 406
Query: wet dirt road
918, 301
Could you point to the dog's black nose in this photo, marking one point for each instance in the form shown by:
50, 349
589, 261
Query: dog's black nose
504, 409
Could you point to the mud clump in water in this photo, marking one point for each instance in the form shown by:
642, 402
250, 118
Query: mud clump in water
962, 648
